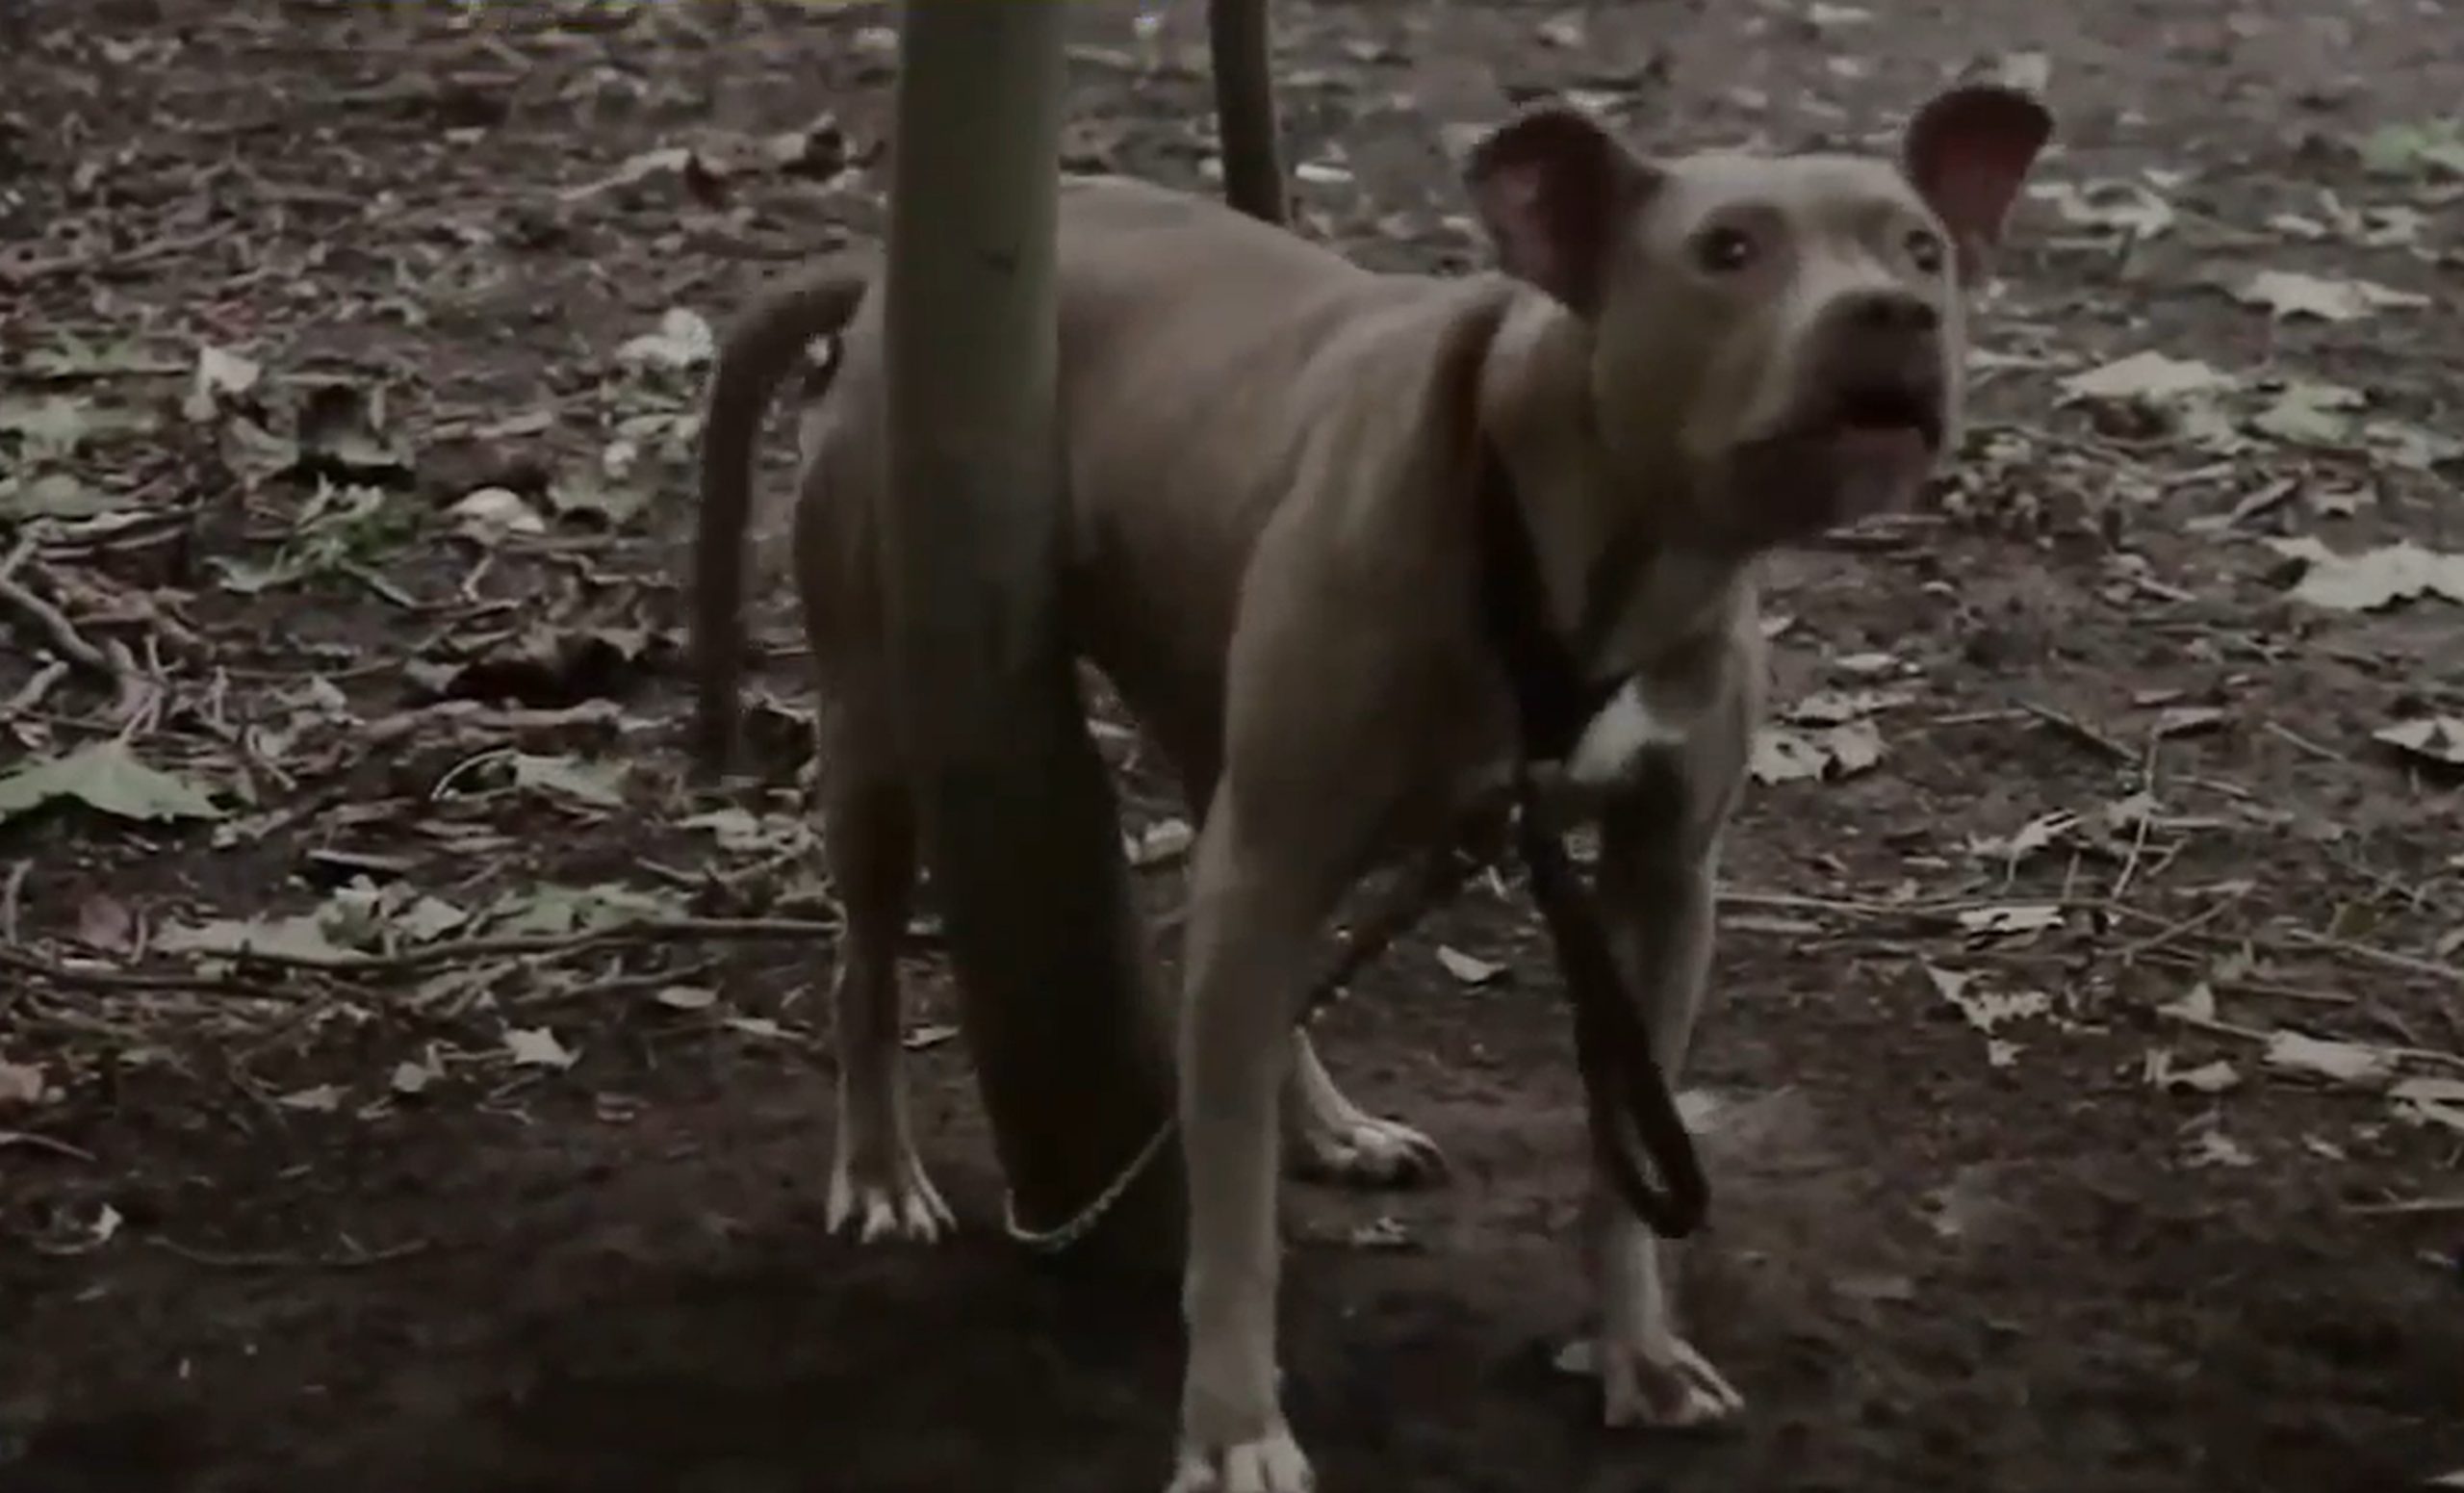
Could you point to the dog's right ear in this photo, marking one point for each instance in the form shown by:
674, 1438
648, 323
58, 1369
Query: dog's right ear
1554, 189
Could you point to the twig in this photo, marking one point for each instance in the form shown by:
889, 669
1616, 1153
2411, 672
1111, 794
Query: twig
2080, 730
357, 1259
2453, 1203
31, 694
44, 1142
2412, 963
2185, 927
164, 982
10, 893
55, 628
419, 960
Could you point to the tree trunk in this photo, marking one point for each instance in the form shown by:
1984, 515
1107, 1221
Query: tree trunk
1239, 41
1021, 828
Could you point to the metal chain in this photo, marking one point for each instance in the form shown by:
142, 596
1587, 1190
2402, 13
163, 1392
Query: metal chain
1438, 879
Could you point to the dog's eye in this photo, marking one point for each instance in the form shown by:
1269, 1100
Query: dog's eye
1724, 250
1925, 250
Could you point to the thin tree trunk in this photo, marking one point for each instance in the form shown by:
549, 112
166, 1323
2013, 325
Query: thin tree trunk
1238, 39
1021, 828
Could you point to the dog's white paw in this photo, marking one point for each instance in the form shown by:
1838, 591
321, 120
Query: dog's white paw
893, 1201
1273, 1463
1667, 1387
1362, 1150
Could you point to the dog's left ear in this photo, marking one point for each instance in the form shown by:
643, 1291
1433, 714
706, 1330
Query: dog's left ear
1554, 189
1966, 152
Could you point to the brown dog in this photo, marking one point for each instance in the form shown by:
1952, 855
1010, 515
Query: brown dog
1282, 476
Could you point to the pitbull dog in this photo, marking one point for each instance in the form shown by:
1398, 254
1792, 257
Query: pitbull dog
1284, 479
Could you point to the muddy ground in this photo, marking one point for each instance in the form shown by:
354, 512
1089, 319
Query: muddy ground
2088, 1063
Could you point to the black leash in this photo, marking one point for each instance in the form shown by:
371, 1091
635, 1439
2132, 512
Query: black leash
1628, 1098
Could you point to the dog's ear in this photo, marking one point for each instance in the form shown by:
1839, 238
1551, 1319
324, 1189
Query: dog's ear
1966, 152
1554, 189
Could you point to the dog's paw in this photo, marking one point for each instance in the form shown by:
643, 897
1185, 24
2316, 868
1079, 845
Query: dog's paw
1273, 1463
1665, 1387
895, 1202
1362, 1150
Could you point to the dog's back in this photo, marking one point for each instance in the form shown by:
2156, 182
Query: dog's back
1194, 363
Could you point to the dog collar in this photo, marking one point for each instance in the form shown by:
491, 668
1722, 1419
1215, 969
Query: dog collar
1554, 697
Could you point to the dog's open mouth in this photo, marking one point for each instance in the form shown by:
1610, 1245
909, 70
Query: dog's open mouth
1887, 414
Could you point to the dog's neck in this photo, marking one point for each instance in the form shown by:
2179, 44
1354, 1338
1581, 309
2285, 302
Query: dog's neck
1625, 601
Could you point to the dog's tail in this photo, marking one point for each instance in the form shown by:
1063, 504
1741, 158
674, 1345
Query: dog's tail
753, 359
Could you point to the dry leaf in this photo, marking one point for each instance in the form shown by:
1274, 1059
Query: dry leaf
2216, 1149
22, 1083
2216, 1077
1467, 969
2372, 579
2150, 377
536, 1046
2434, 738
2290, 294
2013, 918
2341, 1062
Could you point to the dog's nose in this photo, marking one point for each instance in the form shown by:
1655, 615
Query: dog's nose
1890, 311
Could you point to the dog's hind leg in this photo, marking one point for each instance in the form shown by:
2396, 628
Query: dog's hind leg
1327, 1137
877, 1183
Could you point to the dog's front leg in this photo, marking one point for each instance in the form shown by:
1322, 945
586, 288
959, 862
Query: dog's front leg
1253, 917
1656, 869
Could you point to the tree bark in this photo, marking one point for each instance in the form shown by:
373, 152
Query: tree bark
1022, 827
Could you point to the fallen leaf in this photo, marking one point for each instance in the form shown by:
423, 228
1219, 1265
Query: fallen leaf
930, 1034
2012, 917
596, 784
491, 512
536, 1046
2183, 720
2340, 1062
1383, 1233
2216, 1077
1789, 754
1163, 841
2122, 206
2434, 739
319, 1098
104, 923
218, 375
2197, 1006
1466, 967
2290, 294
2216, 1149
2370, 579
413, 1077
21, 1085
301, 937
683, 340
1986, 1010
2306, 412
104, 776
2150, 377
2415, 149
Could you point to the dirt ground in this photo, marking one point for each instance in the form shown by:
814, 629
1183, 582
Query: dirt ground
2087, 1072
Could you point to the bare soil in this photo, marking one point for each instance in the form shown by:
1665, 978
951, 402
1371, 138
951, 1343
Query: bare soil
243, 1250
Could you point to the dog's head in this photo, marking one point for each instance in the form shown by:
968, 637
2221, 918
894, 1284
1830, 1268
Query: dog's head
1786, 331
